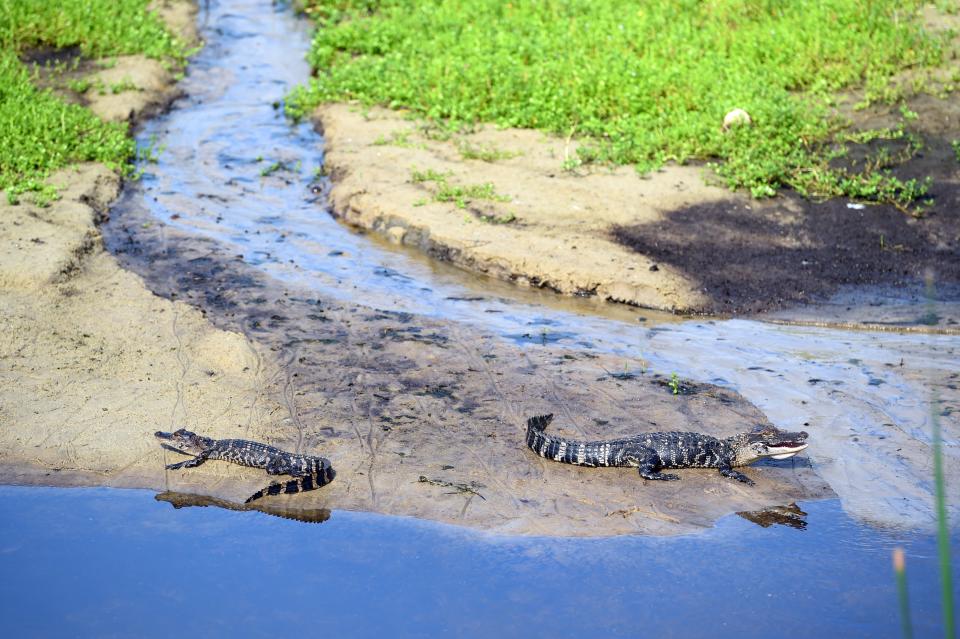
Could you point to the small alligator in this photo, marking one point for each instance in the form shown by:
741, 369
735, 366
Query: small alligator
310, 472
651, 452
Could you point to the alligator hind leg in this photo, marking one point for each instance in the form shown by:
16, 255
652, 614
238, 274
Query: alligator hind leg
733, 474
649, 471
649, 467
190, 463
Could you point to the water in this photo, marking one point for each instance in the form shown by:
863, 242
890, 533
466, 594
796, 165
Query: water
102, 562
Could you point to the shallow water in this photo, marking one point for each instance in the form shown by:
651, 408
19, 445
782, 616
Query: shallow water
102, 562
865, 397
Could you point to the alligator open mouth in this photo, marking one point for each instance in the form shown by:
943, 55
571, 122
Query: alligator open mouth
785, 450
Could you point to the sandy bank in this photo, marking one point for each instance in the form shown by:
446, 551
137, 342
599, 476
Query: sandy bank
90, 359
669, 240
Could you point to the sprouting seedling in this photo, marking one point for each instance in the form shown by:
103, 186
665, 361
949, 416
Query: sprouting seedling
675, 383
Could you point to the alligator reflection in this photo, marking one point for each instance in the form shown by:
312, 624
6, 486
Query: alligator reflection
308, 515
790, 516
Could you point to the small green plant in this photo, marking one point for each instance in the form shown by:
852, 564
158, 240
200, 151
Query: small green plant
79, 86
940, 497
571, 163
674, 383
460, 195
956, 149
487, 153
397, 138
418, 177
908, 114
273, 168
123, 85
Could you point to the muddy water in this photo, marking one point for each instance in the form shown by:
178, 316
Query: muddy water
235, 175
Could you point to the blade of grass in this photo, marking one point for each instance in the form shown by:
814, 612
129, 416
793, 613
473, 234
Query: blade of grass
943, 533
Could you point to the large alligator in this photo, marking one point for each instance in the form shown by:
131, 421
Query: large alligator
651, 452
310, 472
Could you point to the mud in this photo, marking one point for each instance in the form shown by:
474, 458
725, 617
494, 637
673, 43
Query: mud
759, 256
426, 418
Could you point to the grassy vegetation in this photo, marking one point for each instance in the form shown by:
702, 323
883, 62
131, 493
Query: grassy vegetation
637, 82
484, 153
40, 133
461, 195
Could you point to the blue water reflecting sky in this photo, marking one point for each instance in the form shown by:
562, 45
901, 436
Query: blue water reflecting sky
112, 563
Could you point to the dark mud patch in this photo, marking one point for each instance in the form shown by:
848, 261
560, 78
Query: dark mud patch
759, 257
62, 70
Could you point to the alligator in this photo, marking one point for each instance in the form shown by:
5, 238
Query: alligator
310, 472
651, 452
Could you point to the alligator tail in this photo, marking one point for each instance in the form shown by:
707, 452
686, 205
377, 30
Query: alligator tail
540, 422
567, 451
321, 476
541, 443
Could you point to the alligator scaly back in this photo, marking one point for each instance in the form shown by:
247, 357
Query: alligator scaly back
651, 452
310, 472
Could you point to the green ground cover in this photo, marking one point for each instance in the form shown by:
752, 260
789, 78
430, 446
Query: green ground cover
639, 83
39, 132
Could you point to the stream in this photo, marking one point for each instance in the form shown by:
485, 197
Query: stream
233, 171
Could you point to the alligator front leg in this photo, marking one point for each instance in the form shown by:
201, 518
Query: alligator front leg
190, 463
727, 471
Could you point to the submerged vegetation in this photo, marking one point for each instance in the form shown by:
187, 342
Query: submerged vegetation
637, 83
39, 132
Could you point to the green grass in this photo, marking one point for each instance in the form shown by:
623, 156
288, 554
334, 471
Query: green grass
484, 153
39, 132
98, 27
460, 194
637, 83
